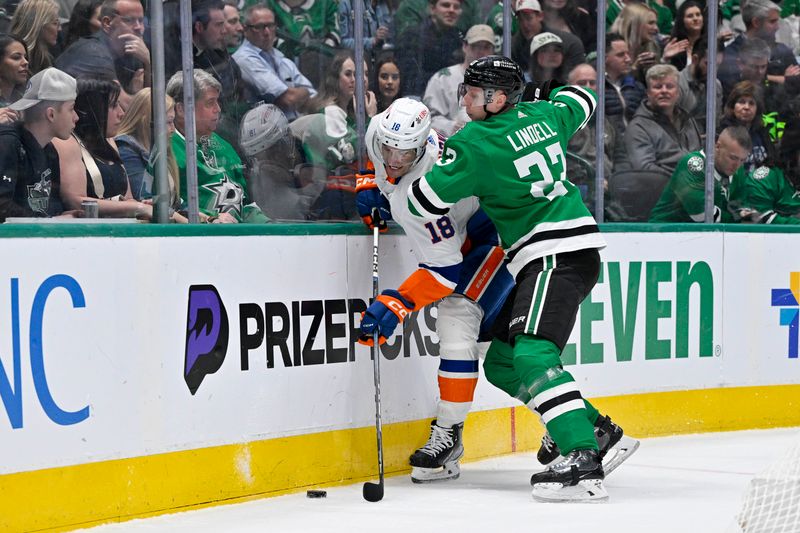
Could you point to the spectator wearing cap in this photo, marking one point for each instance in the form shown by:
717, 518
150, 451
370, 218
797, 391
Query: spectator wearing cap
29, 170
530, 19
426, 49
547, 58
441, 94
116, 52
273, 77
661, 133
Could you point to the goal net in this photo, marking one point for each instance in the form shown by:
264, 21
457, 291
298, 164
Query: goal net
772, 501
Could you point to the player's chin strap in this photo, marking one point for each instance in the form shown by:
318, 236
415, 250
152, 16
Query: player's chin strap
489, 114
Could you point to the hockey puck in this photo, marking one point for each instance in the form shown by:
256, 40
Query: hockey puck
316, 494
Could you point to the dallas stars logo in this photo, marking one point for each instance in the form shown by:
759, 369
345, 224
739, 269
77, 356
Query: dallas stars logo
228, 196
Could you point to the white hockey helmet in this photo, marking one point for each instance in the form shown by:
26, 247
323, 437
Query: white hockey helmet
405, 125
262, 127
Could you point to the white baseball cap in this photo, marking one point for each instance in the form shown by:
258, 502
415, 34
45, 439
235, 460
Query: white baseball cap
543, 39
478, 33
529, 5
49, 84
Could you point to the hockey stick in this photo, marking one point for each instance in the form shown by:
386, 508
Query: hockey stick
373, 492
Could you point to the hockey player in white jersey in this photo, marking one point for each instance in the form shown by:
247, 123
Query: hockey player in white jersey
472, 285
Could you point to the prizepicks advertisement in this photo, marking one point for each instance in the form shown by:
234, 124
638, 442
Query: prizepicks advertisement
166, 344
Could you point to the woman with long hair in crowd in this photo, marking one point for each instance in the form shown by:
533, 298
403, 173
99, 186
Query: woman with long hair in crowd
84, 21
386, 82
690, 25
566, 15
134, 142
329, 136
637, 23
91, 167
37, 23
745, 107
13, 74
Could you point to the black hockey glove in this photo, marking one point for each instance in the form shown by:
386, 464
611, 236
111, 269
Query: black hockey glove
540, 91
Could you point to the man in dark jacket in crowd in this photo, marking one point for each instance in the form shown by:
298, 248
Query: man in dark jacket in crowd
425, 50
29, 171
623, 92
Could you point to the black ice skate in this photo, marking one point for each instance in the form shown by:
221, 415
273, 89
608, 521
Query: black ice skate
615, 447
438, 459
577, 478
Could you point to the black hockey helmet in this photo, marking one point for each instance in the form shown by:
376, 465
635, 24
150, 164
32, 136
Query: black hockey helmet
496, 72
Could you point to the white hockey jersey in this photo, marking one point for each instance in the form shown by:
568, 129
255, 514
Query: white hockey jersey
437, 244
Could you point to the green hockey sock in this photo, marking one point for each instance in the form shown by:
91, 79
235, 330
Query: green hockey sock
555, 395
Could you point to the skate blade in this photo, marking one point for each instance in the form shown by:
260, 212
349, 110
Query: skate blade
586, 491
619, 453
431, 475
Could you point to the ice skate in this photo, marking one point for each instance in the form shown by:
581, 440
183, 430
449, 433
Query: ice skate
577, 478
615, 447
438, 459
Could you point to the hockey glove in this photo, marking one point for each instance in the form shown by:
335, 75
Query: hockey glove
388, 310
540, 91
369, 199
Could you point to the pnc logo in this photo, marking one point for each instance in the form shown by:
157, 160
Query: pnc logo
789, 302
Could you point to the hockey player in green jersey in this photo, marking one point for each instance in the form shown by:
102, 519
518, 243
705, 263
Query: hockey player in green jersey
773, 194
683, 199
512, 157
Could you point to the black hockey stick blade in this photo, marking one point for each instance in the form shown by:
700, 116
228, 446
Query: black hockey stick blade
373, 492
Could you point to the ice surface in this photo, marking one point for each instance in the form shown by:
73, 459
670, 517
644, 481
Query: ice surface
682, 484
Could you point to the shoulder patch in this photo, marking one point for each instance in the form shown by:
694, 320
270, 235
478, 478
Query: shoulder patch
696, 163
760, 173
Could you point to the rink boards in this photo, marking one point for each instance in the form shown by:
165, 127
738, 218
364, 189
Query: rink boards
141, 375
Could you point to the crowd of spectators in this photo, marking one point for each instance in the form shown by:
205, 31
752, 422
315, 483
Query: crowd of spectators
275, 104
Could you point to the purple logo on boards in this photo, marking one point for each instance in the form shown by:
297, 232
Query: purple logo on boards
206, 335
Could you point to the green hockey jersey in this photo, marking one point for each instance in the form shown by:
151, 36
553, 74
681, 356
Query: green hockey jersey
683, 199
314, 24
515, 164
772, 195
221, 185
